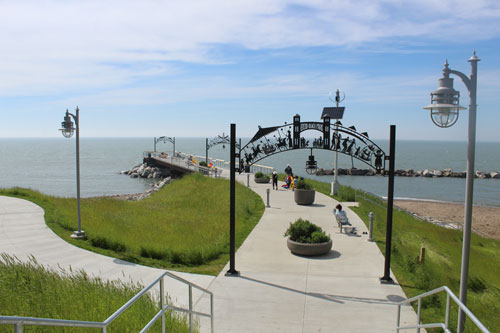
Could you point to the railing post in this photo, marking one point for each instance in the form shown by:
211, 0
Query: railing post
447, 317
268, 191
370, 234
18, 328
190, 309
248, 180
418, 314
104, 329
162, 304
212, 312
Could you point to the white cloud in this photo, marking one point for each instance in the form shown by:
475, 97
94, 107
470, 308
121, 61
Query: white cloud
101, 48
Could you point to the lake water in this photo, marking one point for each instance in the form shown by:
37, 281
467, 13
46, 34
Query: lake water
48, 165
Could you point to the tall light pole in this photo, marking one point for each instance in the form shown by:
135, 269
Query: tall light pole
67, 131
337, 114
444, 109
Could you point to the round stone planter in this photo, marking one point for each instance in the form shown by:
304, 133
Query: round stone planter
304, 197
262, 180
309, 249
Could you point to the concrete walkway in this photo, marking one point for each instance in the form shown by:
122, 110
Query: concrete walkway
278, 291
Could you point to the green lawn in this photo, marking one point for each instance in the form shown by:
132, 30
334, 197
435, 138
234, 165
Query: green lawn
442, 262
184, 226
28, 289
441, 266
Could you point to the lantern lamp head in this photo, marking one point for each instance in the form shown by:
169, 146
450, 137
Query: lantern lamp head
67, 129
445, 105
311, 165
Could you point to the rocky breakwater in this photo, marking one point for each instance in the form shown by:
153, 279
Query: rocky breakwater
411, 173
145, 171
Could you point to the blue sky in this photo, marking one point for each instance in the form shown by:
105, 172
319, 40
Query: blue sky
190, 68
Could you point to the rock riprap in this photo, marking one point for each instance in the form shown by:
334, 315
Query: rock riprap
410, 173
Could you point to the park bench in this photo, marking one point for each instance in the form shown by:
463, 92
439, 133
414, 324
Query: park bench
344, 223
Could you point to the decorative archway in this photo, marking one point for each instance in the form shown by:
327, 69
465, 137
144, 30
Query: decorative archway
218, 140
366, 151
164, 139
269, 141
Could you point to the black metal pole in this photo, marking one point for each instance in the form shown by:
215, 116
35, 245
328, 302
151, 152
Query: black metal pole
206, 150
232, 204
390, 203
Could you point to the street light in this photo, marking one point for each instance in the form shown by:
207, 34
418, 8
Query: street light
67, 131
335, 113
444, 110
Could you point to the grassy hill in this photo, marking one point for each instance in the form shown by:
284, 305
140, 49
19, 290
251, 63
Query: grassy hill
184, 226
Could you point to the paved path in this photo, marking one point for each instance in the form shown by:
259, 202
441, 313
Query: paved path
276, 292
23, 233
281, 292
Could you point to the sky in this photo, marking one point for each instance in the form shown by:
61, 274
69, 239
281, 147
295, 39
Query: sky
155, 68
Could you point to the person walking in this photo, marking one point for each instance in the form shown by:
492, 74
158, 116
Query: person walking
288, 170
275, 180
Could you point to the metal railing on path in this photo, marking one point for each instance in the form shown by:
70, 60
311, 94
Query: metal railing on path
20, 322
445, 324
218, 163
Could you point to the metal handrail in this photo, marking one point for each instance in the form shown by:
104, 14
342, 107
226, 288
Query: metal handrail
445, 325
20, 322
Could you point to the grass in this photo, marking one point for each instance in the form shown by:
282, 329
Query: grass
28, 289
184, 226
441, 266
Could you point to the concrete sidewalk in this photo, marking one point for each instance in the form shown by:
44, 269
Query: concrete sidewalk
278, 291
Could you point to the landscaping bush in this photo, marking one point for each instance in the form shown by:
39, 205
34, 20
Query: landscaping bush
261, 175
303, 231
203, 163
303, 185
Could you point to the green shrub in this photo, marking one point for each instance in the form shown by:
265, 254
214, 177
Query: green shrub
319, 237
261, 175
303, 185
203, 163
303, 231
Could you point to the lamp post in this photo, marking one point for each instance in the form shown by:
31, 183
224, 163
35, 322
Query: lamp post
444, 110
336, 113
67, 131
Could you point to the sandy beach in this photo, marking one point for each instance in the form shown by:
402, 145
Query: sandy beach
485, 220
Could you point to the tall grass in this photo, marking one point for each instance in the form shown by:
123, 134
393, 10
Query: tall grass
442, 263
184, 226
31, 290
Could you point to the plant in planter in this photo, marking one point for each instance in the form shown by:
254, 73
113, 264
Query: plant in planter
260, 177
307, 239
304, 193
